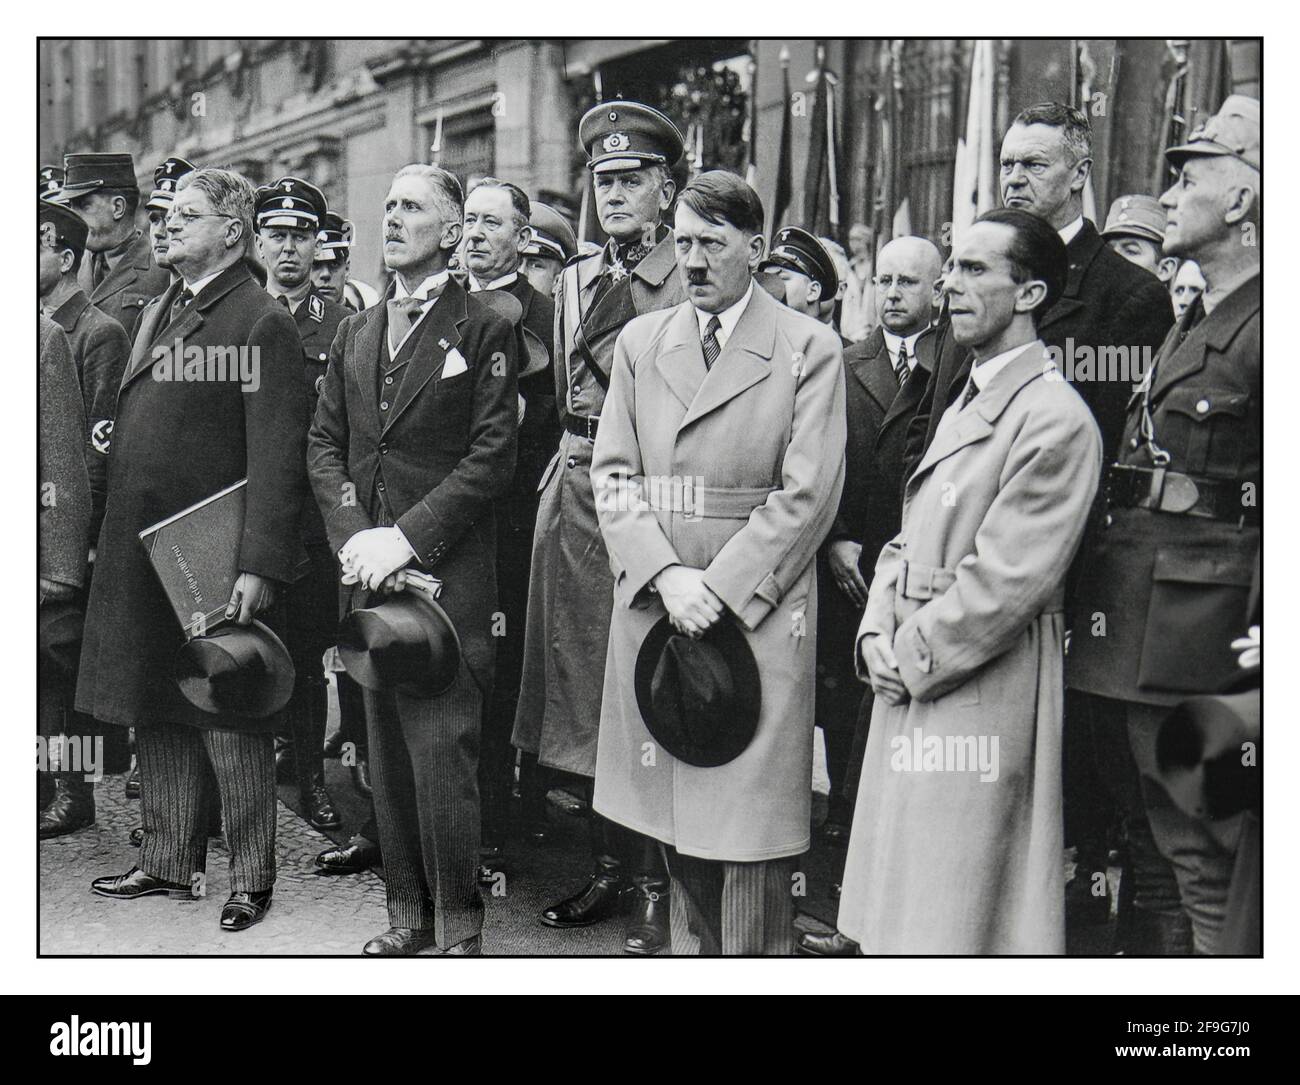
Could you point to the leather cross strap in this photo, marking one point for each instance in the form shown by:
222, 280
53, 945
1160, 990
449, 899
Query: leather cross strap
575, 315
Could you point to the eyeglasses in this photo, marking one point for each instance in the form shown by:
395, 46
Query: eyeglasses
188, 218
884, 282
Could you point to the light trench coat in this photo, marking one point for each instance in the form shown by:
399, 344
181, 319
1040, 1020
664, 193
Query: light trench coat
736, 470
956, 846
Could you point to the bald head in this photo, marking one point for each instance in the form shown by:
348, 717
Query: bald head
905, 276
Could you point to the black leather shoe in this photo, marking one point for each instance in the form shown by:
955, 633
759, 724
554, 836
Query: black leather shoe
333, 747
319, 809
647, 934
402, 942
471, 947
605, 895
71, 809
826, 945
242, 910
133, 781
137, 836
361, 778
359, 854
136, 883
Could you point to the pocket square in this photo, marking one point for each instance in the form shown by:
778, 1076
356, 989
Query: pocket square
454, 365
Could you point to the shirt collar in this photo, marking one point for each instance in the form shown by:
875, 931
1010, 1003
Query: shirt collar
198, 284
276, 293
893, 342
728, 318
421, 293
1211, 299
984, 372
113, 256
1070, 232
495, 284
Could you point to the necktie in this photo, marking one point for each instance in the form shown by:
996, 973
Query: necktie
971, 391
710, 342
901, 368
402, 314
182, 302
98, 269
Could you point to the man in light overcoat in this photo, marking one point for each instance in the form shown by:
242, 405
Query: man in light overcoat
741, 400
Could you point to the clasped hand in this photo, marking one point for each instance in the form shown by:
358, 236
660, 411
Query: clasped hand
882, 668
692, 606
373, 556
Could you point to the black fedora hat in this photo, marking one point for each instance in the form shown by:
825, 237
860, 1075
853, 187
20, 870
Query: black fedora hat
700, 699
406, 644
236, 670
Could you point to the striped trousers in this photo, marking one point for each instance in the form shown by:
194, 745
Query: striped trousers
175, 801
424, 770
721, 908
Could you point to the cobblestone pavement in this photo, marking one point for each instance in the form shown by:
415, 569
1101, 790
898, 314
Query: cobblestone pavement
307, 915
311, 914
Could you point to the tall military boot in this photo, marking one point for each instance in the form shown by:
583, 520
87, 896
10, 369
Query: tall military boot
72, 808
647, 933
608, 891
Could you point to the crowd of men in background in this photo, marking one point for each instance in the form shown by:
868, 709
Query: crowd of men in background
923, 513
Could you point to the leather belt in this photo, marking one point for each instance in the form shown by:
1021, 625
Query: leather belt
916, 581
582, 426
1162, 490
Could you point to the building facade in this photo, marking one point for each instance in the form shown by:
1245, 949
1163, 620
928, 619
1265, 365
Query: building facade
347, 113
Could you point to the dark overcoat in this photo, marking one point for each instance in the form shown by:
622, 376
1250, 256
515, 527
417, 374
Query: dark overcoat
176, 442
870, 510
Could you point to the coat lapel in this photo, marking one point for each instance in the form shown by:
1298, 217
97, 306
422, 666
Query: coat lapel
680, 357
874, 370
367, 345
137, 258
188, 323
1215, 332
658, 264
744, 361
1082, 250
960, 428
151, 322
67, 314
437, 334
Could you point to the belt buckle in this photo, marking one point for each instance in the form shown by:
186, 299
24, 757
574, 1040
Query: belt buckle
1180, 493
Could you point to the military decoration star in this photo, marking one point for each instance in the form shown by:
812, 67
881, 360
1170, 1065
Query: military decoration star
617, 272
